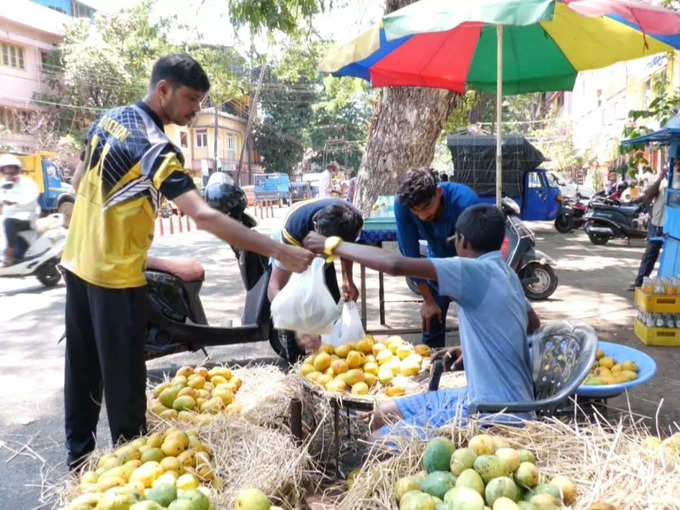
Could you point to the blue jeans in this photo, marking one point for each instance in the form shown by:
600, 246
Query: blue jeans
12, 229
651, 254
437, 335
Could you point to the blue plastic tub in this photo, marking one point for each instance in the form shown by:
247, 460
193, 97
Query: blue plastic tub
646, 371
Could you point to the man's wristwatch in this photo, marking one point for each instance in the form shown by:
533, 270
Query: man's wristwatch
331, 244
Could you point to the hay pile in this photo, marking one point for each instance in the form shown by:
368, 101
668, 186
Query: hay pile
608, 462
265, 395
251, 449
248, 455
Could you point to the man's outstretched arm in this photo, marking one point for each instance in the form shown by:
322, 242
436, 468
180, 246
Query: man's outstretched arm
375, 258
231, 231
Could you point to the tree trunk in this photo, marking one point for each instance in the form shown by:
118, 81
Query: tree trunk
405, 127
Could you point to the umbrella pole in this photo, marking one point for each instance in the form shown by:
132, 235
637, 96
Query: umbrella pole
499, 111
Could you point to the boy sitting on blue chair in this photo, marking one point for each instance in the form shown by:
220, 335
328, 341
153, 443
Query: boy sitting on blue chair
494, 316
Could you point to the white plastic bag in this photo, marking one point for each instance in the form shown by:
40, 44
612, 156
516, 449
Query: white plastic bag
305, 304
348, 327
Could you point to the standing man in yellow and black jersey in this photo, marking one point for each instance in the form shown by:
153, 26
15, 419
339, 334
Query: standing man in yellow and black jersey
335, 219
129, 163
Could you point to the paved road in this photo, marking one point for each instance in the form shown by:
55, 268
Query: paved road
593, 282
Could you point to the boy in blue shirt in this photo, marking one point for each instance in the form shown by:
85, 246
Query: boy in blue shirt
494, 314
427, 210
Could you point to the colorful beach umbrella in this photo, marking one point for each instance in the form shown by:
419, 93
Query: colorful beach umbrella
535, 45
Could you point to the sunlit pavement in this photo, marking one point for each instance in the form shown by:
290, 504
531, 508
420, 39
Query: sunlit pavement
593, 283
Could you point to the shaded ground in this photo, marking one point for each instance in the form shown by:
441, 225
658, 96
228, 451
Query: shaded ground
593, 283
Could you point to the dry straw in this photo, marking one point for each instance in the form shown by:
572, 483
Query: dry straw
608, 462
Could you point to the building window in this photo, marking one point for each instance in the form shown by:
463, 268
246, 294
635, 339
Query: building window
12, 56
183, 139
230, 142
202, 138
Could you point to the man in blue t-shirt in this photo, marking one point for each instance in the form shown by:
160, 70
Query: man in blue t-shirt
425, 210
495, 316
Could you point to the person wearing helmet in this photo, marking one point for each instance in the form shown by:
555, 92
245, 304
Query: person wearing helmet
129, 163
333, 218
19, 201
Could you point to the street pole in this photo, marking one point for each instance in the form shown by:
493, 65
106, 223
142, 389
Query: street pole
499, 112
216, 134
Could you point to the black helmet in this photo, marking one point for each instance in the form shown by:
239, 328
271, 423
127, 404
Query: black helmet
223, 195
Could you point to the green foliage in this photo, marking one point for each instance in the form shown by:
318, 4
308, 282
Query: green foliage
281, 133
270, 15
107, 62
225, 69
340, 124
640, 122
304, 110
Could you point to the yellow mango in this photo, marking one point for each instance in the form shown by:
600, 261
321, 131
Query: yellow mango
377, 347
424, 350
353, 376
395, 391
384, 356
336, 386
360, 388
342, 350
371, 367
365, 345
339, 366
328, 349
355, 359
322, 361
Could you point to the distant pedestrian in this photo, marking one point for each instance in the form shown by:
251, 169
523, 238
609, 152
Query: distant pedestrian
351, 190
326, 181
656, 195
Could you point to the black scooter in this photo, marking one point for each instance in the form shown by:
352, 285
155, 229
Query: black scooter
609, 219
534, 268
178, 322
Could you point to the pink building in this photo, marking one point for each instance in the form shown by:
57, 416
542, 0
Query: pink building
28, 32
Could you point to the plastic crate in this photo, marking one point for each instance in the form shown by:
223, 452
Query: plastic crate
666, 337
656, 303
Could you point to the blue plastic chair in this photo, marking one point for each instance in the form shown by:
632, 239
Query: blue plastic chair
562, 356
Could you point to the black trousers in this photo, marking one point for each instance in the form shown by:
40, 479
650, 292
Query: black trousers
105, 336
12, 229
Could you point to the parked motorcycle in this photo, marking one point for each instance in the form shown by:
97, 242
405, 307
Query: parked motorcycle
534, 268
45, 244
609, 219
178, 322
571, 215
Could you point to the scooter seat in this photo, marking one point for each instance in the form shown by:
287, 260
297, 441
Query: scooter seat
627, 210
187, 270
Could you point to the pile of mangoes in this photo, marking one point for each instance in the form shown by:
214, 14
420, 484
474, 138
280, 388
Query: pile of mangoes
487, 473
196, 390
358, 367
607, 370
161, 470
